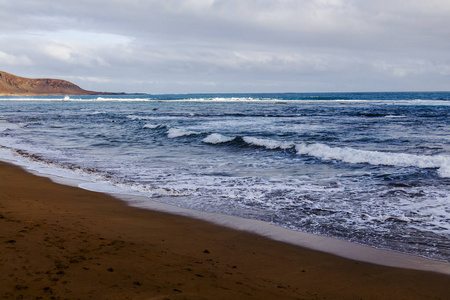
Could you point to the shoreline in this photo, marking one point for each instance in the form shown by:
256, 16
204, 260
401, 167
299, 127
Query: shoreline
63, 241
326, 244
321, 243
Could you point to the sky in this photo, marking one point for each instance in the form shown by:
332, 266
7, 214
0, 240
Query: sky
230, 46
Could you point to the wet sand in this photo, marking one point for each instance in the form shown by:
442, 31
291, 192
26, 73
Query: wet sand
63, 242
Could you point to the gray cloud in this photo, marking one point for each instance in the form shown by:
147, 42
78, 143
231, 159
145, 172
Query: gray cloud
229, 45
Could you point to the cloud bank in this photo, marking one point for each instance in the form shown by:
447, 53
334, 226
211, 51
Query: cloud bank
175, 46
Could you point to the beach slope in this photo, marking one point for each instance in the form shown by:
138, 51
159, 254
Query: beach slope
63, 242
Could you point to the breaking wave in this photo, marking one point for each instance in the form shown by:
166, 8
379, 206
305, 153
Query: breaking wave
355, 156
216, 138
179, 132
267, 143
344, 154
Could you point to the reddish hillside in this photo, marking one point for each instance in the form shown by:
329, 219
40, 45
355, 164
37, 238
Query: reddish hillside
15, 85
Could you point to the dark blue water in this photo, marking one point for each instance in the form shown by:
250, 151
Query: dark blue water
373, 168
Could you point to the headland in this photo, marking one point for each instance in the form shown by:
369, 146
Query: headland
12, 85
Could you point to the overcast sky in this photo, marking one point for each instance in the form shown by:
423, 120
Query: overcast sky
174, 46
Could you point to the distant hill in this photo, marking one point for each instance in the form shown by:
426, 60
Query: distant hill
14, 85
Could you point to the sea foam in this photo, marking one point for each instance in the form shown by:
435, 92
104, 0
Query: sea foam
151, 126
179, 132
267, 143
4, 126
355, 156
216, 138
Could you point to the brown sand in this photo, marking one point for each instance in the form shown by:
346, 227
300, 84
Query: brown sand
61, 242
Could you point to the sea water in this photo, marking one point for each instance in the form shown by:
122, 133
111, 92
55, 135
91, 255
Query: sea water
370, 168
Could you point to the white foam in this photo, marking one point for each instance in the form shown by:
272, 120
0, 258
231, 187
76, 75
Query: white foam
311, 100
179, 132
265, 100
7, 154
444, 170
394, 117
223, 99
4, 126
355, 156
14, 144
427, 102
97, 112
315, 242
99, 99
151, 126
216, 138
134, 118
230, 126
267, 143
146, 118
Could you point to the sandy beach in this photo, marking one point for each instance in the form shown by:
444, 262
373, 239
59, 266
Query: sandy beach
61, 242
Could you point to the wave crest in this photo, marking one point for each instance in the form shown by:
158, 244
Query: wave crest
267, 143
179, 132
355, 156
216, 138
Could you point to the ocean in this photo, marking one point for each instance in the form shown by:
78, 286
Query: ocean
369, 168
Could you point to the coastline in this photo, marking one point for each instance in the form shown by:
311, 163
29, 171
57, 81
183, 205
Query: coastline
325, 244
321, 243
63, 241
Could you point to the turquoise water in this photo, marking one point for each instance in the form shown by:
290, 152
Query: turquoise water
372, 168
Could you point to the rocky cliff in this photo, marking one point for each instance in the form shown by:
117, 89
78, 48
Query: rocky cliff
14, 85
